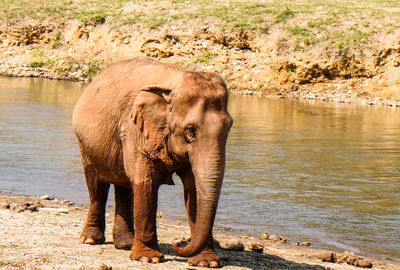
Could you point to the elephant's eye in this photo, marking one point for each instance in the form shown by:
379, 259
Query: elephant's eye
190, 133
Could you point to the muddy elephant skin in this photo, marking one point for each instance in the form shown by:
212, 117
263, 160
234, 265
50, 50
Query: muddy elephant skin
137, 123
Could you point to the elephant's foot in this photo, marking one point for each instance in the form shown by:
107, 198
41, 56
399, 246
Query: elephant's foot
207, 258
143, 253
123, 240
92, 235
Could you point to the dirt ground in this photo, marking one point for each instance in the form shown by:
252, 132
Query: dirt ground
44, 234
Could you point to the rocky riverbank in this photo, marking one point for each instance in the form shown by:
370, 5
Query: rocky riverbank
43, 233
347, 57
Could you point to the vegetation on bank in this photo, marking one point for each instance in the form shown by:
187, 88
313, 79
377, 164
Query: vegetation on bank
264, 46
350, 23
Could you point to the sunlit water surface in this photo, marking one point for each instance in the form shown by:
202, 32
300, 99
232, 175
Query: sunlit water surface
319, 172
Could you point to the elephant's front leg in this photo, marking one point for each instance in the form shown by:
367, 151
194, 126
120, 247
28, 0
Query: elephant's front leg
145, 189
208, 257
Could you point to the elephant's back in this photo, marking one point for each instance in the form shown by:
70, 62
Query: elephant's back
115, 89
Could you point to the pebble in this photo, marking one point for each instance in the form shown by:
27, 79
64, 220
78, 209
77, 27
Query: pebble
103, 266
305, 244
326, 256
363, 263
256, 247
5, 205
264, 236
352, 259
232, 245
277, 238
45, 197
33, 208
66, 202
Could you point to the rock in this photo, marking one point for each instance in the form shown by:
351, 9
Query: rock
33, 208
264, 236
326, 256
27, 204
104, 267
45, 197
305, 244
38, 204
5, 205
256, 247
282, 239
66, 202
274, 237
346, 256
160, 214
232, 245
361, 262
277, 238
20, 209
352, 259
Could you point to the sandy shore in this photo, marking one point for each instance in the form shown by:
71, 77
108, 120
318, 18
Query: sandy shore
44, 234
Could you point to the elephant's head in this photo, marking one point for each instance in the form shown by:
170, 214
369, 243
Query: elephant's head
189, 126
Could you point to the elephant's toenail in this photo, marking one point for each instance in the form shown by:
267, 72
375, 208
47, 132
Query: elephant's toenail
144, 259
215, 264
155, 260
90, 241
203, 264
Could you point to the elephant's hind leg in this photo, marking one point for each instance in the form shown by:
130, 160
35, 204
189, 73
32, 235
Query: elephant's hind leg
93, 232
123, 232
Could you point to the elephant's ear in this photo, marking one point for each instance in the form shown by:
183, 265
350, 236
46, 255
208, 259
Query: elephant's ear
149, 118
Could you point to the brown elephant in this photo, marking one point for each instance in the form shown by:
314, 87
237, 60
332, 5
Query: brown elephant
137, 123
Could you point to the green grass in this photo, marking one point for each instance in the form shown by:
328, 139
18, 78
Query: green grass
38, 52
58, 42
320, 23
37, 64
92, 16
94, 69
206, 57
303, 36
284, 16
349, 40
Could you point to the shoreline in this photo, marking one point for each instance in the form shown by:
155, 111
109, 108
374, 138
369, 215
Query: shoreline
43, 233
307, 96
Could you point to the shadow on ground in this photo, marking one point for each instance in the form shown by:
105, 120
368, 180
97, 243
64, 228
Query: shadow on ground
250, 259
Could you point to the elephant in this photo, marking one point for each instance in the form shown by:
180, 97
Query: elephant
137, 123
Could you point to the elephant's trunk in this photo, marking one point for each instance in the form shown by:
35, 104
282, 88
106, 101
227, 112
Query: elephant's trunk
208, 170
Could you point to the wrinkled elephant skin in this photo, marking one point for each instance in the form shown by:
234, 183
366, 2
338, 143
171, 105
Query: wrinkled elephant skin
137, 123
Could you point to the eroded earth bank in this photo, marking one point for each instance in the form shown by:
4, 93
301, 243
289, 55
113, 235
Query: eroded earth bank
292, 50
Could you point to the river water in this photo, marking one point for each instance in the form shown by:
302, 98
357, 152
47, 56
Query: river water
320, 172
